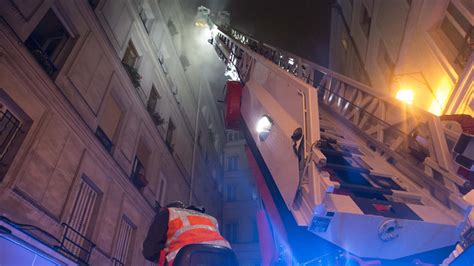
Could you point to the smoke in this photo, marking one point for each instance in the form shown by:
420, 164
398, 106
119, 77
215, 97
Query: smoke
203, 61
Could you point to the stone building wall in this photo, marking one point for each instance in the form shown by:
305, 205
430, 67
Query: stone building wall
57, 166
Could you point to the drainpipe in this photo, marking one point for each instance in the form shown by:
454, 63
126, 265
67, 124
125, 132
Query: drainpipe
196, 130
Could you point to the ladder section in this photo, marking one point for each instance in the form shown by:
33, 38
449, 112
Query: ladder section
411, 139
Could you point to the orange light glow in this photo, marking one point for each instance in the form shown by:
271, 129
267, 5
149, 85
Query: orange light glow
405, 95
441, 94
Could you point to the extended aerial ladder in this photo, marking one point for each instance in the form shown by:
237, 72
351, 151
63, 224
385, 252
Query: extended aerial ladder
343, 170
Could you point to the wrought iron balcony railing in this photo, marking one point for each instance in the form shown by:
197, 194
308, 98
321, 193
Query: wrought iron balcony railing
75, 245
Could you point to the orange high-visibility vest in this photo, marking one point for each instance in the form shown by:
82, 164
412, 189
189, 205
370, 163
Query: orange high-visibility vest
190, 227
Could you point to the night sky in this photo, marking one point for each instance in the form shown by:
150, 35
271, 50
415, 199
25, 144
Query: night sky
298, 26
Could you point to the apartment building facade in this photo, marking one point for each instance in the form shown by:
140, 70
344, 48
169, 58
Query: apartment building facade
98, 125
421, 48
241, 202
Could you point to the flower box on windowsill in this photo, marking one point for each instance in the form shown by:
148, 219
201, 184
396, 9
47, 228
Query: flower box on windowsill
135, 77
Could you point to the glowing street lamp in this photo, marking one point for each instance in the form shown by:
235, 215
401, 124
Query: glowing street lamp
264, 126
405, 95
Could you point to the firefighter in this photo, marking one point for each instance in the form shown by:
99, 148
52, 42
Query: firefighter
176, 226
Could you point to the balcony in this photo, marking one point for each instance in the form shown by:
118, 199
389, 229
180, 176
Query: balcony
75, 245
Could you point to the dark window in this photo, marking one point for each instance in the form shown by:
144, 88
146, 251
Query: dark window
130, 57
109, 122
232, 232
10, 126
453, 35
14, 125
172, 28
138, 174
152, 100
199, 140
365, 21
385, 63
459, 17
93, 3
184, 61
231, 193
161, 192
146, 19
104, 139
232, 163
124, 243
49, 43
255, 231
82, 221
169, 135
129, 61
140, 164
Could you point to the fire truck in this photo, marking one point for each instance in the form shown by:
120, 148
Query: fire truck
346, 175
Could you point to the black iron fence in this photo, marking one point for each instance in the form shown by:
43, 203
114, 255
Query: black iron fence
117, 262
75, 245
10, 126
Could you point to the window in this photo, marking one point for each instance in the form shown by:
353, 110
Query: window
125, 238
93, 3
130, 57
255, 231
199, 141
171, 27
10, 126
109, 122
14, 124
233, 135
231, 193
161, 195
129, 61
365, 21
138, 175
184, 61
232, 232
385, 63
152, 100
49, 43
82, 219
146, 16
455, 36
230, 135
169, 135
232, 163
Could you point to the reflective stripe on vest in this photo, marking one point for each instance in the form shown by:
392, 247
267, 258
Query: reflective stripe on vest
224, 243
190, 227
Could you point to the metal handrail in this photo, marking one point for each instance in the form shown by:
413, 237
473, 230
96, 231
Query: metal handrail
396, 139
78, 244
